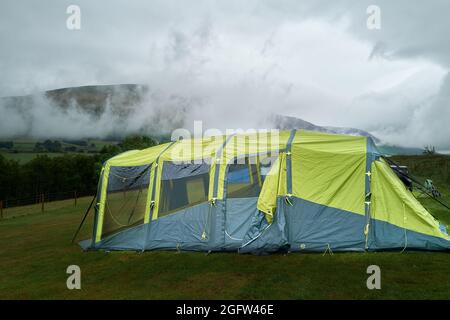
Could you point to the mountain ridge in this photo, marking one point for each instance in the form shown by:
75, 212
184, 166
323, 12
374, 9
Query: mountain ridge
283, 122
92, 100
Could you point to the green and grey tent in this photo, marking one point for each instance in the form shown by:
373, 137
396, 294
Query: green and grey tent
261, 192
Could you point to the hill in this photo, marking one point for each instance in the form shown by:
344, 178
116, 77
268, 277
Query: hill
285, 122
398, 150
90, 99
112, 107
123, 98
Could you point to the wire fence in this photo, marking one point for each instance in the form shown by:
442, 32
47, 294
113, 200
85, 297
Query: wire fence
40, 203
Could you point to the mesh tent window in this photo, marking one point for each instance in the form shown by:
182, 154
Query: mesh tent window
126, 198
182, 186
246, 175
265, 164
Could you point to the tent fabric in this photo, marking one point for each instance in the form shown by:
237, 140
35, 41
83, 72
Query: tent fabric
330, 170
125, 202
387, 236
315, 227
392, 202
272, 187
179, 171
293, 191
264, 237
239, 215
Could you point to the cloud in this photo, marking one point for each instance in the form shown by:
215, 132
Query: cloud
233, 64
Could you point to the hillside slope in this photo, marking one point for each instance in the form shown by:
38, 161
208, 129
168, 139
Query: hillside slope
119, 105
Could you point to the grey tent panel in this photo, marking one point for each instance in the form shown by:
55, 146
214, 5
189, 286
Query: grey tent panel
172, 170
304, 226
264, 237
238, 218
126, 178
386, 236
315, 227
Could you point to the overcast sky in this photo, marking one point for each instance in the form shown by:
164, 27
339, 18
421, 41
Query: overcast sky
312, 59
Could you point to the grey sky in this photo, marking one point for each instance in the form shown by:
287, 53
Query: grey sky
311, 59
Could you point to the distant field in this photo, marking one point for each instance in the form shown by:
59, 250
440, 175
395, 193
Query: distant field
24, 145
27, 156
24, 150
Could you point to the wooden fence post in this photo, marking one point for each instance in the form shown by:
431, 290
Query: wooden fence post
42, 202
1, 209
75, 194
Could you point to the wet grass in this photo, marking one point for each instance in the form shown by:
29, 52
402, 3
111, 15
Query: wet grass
35, 251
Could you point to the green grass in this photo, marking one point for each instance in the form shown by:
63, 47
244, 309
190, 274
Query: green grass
436, 209
36, 208
36, 250
24, 145
436, 167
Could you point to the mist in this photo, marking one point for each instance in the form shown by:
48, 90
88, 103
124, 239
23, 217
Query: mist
231, 65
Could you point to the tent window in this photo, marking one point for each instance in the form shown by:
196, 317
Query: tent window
246, 175
265, 164
126, 198
182, 186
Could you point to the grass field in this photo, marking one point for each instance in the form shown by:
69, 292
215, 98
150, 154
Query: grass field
24, 157
36, 250
23, 150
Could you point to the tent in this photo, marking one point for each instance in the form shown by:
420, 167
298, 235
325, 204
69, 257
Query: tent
260, 192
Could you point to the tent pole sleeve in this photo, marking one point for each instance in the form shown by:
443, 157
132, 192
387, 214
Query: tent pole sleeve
150, 205
149, 192
250, 172
217, 166
101, 209
97, 192
155, 169
258, 170
367, 187
289, 162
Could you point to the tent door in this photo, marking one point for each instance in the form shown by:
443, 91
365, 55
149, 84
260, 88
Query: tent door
242, 190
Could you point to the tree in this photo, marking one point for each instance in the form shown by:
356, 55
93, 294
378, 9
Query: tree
133, 142
9, 178
6, 144
69, 172
137, 142
49, 146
